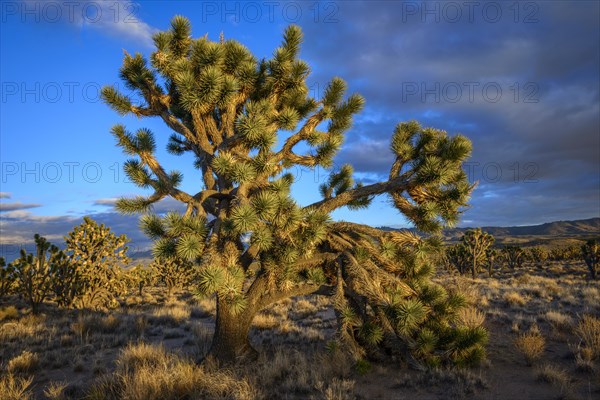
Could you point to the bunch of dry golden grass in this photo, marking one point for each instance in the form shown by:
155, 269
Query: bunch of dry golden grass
149, 372
531, 344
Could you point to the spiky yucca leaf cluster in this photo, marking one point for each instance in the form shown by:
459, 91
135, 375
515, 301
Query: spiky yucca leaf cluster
385, 300
430, 162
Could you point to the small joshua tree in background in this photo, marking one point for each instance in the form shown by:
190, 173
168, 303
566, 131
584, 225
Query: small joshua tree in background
98, 255
172, 272
476, 243
513, 256
7, 278
591, 256
33, 273
491, 257
538, 255
139, 277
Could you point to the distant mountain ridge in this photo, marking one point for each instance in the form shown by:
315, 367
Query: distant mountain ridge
582, 227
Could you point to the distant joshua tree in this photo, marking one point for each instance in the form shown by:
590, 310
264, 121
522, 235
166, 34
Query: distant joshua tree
591, 256
538, 255
476, 243
251, 243
513, 256
33, 273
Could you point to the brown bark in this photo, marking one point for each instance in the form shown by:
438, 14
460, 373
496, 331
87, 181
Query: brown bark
231, 344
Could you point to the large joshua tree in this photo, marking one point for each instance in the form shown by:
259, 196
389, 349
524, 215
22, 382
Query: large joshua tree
251, 243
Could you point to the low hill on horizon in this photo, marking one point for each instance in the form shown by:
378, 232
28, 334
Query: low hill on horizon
559, 232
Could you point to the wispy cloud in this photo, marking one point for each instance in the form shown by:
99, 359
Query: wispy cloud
116, 18
6, 207
4, 195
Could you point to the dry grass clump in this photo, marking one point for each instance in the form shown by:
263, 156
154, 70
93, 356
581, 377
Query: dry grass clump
531, 344
470, 317
554, 375
56, 391
30, 326
559, 321
265, 321
337, 389
24, 363
172, 316
588, 331
515, 298
15, 388
292, 371
90, 324
591, 297
147, 372
8, 313
303, 308
205, 307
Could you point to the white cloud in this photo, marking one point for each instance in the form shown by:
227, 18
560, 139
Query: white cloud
4, 195
112, 17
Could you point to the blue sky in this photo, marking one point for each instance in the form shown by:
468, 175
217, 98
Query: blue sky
519, 78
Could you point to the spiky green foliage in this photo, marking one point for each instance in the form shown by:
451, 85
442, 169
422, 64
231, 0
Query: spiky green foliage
98, 256
386, 301
513, 256
591, 255
538, 255
33, 273
7, 278
250, 243
476, 243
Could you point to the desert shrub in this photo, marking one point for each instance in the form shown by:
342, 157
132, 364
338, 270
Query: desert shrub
531, 344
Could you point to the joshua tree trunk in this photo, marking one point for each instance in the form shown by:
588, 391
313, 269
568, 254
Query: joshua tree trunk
230, 341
